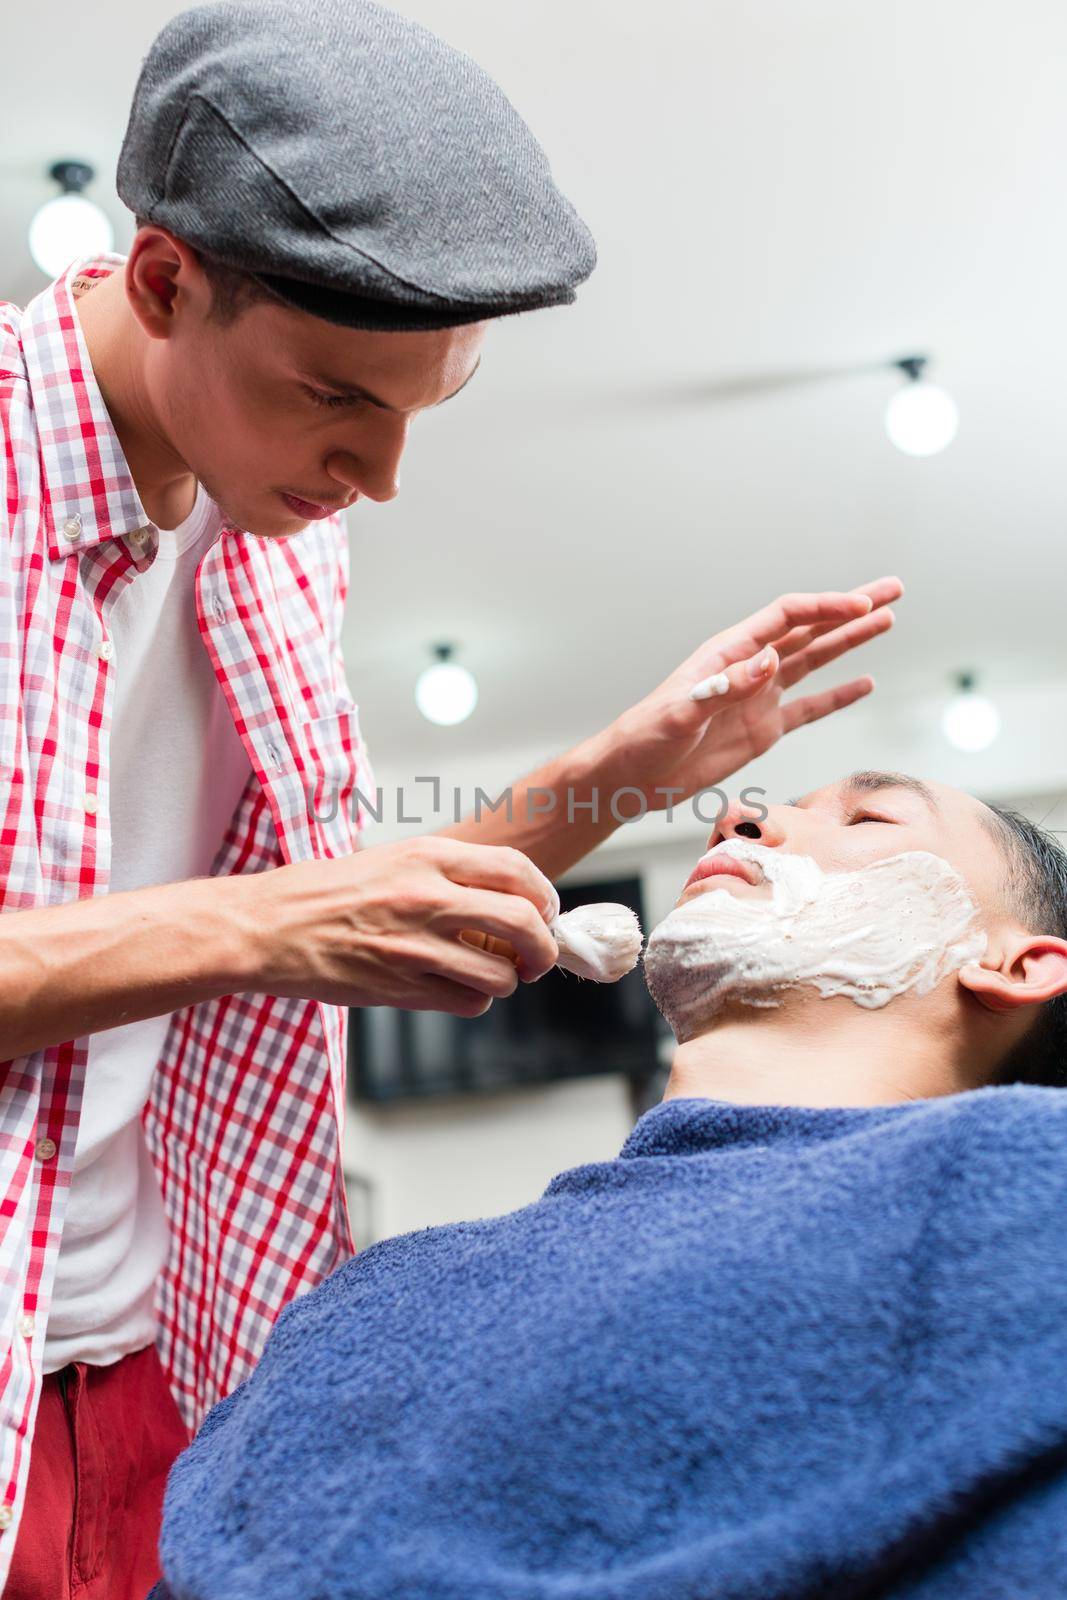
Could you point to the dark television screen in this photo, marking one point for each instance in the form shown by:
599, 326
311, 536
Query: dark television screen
559, 1027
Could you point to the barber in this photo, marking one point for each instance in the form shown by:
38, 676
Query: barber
331, 205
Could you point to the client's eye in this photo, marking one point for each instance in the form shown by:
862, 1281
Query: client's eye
865, 816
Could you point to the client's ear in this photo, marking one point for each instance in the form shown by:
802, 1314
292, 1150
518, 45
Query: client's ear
1030, 971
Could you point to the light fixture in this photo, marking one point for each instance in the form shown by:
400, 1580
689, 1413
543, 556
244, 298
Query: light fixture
70, 226
445, 693
921, 418
970, 721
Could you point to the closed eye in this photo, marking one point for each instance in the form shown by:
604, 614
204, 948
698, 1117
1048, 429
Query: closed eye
865, 816
322, 399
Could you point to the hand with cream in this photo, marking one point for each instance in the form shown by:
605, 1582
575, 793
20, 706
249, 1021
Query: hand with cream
724, 705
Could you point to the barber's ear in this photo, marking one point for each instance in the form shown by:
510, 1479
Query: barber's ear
1030, 971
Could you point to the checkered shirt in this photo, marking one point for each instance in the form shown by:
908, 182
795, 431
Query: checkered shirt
246, 1108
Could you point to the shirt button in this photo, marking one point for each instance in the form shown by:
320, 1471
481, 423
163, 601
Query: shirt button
27, 1325
218, 607
7, 1513
45, 1149
72, 527
140, 535
90, 803
105, 649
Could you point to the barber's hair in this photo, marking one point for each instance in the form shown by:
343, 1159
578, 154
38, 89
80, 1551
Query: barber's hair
232, 291
1037, 890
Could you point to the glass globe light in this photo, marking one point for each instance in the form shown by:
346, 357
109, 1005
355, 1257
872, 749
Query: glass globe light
67, 228
970, 722
446, 693
921, 418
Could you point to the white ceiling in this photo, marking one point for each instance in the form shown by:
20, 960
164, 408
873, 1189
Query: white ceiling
776, 187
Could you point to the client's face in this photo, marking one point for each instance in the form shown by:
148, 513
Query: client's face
851, 824
872, 887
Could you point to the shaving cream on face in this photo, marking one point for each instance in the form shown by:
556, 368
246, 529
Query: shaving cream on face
897, 925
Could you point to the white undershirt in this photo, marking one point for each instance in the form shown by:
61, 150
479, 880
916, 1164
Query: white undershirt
177, 770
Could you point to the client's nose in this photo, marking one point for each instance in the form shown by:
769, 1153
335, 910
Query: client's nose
747, 822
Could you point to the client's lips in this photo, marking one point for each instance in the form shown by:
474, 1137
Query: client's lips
714, 866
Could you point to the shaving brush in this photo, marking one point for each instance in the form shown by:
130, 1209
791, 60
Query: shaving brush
601, 942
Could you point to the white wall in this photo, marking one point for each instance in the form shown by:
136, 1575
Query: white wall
453, 1159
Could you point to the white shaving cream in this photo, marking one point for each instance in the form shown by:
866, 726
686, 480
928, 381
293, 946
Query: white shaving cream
896, 925
601, 941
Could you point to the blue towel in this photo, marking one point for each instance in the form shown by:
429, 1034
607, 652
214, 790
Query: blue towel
767, 1354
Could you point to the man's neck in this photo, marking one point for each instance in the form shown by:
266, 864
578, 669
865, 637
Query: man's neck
821, 1053
118, 350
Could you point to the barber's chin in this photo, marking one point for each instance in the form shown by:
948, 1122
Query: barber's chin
272, 526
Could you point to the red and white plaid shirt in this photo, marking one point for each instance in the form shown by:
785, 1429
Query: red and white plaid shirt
247, 1101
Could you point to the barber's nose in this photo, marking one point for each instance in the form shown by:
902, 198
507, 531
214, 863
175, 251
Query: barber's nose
747, 822
371, 479
375, 470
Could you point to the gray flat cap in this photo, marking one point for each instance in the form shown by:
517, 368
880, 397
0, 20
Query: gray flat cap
353, 162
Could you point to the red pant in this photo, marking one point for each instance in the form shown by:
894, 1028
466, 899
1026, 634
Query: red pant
103, 1445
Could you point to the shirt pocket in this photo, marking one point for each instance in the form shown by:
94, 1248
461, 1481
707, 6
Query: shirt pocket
339, 782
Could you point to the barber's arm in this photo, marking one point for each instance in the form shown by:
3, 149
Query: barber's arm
669, 746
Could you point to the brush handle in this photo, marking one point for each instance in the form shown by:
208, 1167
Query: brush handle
490, 943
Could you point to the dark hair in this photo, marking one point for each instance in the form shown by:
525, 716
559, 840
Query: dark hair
232, 291
1037, 893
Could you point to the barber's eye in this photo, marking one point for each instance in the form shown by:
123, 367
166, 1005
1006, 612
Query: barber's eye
322, 399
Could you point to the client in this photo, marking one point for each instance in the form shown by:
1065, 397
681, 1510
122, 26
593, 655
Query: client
806, 1336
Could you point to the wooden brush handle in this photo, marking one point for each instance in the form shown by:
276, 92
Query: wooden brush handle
489, 942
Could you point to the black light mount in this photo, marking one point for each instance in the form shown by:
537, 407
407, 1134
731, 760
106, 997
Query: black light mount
72, 176
912, 367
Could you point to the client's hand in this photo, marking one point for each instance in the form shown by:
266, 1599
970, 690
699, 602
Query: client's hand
669, 740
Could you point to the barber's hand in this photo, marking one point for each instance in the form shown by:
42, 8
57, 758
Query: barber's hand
428, 924
670, 741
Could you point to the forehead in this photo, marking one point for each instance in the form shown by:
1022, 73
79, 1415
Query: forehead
395, 371
319, 340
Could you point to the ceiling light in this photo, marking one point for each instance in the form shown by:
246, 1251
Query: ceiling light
970, 721
921, 418
446, 693
70, 226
